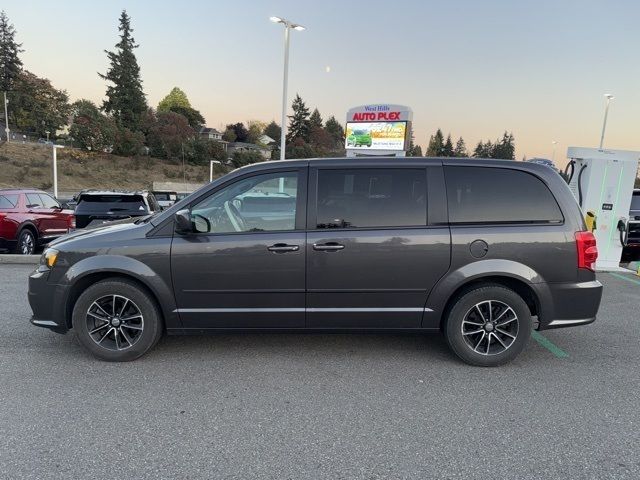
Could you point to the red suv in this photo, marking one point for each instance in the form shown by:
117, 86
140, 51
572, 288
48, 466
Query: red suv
31, 218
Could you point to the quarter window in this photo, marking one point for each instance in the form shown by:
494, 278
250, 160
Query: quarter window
498, 195
48, 201
259, 203
366, 198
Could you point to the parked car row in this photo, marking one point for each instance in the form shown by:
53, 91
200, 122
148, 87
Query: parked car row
31, 218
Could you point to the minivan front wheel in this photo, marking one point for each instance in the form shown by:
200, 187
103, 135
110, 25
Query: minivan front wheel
116, 320
488, 326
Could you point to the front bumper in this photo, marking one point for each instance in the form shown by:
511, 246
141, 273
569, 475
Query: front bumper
569, 304
47, 303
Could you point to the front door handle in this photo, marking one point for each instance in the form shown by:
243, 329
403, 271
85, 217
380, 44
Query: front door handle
327, 247
283, 248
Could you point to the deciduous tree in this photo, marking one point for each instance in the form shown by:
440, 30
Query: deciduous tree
10, 63
90, 128
37, 106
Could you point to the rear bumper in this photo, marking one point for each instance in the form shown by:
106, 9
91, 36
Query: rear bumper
569, 304
47, 304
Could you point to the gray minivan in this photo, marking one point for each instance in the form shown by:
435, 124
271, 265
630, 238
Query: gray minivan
483, 250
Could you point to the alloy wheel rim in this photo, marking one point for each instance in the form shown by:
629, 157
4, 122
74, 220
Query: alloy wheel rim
27, 245
114, 322
490, 327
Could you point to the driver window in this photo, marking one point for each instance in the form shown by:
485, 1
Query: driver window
256, 204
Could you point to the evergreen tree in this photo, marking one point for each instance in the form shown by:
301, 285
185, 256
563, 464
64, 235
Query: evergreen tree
461, 149
335, 131
10, 63
315, 120
299, 124
447, 149
505, 148
274, 131
125, 100
484, 150
436, 145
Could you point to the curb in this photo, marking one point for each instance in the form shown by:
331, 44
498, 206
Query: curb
19, 259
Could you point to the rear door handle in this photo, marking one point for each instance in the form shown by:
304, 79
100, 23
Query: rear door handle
283, 248
328, 247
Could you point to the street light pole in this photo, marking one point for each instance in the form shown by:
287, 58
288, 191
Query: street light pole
6, 116
285, 79
55, 169
609, 97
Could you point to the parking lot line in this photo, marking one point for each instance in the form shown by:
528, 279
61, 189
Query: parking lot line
623, 277
548, 344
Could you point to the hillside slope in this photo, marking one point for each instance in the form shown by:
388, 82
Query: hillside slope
30, 165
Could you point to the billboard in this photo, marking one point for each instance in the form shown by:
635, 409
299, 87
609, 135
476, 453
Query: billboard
376, 135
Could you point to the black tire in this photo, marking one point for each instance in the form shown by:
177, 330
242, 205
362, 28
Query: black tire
139, 343
474, 306
26, 242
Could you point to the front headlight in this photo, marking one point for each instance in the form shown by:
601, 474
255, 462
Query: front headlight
49, 257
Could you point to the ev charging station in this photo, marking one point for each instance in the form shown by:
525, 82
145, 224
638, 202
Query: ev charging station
602, 182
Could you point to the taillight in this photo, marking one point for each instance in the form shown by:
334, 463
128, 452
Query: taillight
71, 221
587, 250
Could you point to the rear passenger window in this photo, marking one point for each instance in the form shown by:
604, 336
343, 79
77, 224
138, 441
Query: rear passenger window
8, 201
498, 195
33, 200
364, 198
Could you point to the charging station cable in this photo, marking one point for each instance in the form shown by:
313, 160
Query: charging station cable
623, 228
580, 184
571, 166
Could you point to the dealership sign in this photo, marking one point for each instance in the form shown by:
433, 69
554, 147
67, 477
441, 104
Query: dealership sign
381, 128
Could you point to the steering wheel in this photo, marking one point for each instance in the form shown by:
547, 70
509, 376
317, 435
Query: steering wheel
235, 217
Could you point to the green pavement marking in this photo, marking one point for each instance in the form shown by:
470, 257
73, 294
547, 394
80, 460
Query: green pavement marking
549, 345
622, 277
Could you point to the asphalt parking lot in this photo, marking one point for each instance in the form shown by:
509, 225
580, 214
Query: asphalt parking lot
321, 406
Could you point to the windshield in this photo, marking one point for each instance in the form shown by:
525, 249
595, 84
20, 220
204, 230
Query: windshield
112, 203
635, 201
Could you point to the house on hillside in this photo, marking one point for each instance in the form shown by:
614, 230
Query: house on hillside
248, 147
266, 140
210, 134
207, 133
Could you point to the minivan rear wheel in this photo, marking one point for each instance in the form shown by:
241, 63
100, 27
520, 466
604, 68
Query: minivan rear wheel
488, 326
116, 320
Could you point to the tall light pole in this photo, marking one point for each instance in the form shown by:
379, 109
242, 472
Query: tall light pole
55, 169
6, 116
553, 153
609, 97
283, 122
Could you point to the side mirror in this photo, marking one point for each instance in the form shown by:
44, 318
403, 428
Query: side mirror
183, 222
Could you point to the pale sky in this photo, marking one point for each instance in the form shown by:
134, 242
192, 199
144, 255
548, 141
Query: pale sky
473, 68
